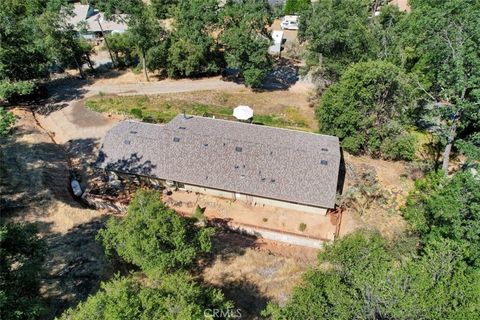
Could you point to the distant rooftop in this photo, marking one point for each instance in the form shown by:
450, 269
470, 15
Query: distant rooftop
256, 160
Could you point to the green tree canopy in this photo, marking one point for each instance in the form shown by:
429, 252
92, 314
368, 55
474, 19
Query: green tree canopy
193, 50
246, 39
362, 277
173, 296
339, 33
441, 45
21, 258
447, 208
154, 237
368, 109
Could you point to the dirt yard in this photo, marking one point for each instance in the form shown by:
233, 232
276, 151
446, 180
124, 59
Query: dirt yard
240, 213
385, 218
34, 188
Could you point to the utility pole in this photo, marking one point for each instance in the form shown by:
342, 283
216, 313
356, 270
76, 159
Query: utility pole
106, 41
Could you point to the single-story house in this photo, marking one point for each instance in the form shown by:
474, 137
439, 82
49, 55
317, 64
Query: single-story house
235, 160
87, 20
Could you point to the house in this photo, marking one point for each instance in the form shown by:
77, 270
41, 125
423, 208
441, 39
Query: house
240, 161
89, 22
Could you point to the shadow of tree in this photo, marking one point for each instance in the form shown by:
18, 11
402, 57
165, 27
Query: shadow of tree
245, 295
39, 171
64, 90
132, 165
283, 75
76, 265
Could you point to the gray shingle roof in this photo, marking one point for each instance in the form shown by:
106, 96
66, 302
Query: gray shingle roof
250, 159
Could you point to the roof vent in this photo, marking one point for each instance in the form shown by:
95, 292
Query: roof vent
176, 139
126, 141
205, 144
272, 180
324, 149
133, 132
238, 149
236, 167
182, 128
323, 162
263, 179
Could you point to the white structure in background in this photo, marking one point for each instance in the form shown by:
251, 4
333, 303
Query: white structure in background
243, 113
86, 20
289, 23
277, 37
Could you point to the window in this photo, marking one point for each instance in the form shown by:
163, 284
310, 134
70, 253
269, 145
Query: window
323, 162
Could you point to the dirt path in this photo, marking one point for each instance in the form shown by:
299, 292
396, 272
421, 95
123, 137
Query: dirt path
159, 87
34, 187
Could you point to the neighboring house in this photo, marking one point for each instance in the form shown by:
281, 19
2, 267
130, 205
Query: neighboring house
85, 20
239, 161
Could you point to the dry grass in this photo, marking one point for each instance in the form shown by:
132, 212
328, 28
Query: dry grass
279, 108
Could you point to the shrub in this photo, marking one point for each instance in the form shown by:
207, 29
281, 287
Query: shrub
302, 227
399, 148
137, 113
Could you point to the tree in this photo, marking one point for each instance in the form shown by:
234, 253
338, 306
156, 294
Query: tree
63, 47
442, 44
246, 39
154, 237
368, 110
145, 32
339, 33
174, 296
22, 54
163, 7
21, 257
363, 277
122, 49
447, 208
296, 6
193, 51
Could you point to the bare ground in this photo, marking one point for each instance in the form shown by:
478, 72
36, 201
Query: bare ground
34, 188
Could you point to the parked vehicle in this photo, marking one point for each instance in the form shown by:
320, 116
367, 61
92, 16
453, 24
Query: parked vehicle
289, 23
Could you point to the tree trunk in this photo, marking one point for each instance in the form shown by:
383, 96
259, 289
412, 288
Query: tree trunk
145, 66
89, 61
82, 75
448, 148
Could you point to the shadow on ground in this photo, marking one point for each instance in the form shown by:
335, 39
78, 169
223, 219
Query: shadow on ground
75, 264
246, 296
283, 75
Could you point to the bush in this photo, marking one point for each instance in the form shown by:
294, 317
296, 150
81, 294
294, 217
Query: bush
302, 227
7, 120
399, 148
137, 113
